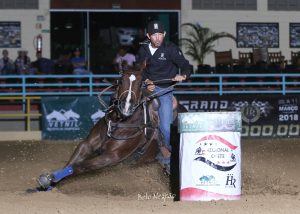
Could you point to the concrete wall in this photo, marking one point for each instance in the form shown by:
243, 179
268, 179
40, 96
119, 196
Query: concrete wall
225, 20
20, 136
30, 28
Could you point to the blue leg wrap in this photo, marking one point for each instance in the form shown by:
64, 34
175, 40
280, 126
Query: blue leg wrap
49, 188
62, 173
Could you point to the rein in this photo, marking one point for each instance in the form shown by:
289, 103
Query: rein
101, 101
112, 125
157, 94
115, 125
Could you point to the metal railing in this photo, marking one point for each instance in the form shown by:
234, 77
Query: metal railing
89, 85
32, 87
26, 109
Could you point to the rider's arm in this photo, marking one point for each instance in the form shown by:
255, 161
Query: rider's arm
184, 65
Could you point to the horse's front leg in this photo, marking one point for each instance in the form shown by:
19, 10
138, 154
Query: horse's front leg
115, 152
93, 142
153, 145
105, 159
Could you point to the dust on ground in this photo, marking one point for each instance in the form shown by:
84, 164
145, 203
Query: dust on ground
270, 182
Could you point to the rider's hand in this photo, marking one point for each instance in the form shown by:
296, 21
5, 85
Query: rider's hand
179, 78
150, 85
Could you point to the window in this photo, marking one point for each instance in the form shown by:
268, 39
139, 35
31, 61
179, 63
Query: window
284, 5
19, 4
224, 4
294, 35
257, 35
10, 34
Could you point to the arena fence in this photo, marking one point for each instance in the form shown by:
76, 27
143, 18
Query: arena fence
26, 110
26, 91
49, 85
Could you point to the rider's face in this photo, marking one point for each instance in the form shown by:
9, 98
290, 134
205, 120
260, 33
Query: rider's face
156, 39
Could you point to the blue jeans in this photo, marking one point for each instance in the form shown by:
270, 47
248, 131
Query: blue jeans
80, 71
166, 116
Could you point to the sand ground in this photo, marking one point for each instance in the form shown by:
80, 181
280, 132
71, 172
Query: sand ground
270, 177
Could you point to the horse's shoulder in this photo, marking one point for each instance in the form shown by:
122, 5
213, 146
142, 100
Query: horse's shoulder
155, 104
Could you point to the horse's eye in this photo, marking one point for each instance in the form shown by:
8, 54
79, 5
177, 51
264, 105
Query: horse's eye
115, 102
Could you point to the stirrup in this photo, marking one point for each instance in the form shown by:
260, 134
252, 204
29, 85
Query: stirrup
166, 168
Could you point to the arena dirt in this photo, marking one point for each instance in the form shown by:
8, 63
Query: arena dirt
270, 182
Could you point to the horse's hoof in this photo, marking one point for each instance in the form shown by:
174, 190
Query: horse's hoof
45, 180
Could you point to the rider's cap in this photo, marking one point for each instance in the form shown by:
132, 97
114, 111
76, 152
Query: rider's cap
155, 27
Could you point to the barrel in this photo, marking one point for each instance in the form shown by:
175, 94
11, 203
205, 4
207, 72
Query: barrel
210, 156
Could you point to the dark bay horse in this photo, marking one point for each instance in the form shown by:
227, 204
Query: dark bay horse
130, 128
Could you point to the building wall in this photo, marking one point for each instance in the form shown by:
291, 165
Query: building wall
225, 20
117, 4
217, 20
30, 28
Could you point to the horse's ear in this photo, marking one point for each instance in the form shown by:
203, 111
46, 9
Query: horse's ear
140, 66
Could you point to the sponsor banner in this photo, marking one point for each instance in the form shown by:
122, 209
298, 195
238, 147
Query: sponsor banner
69, 118
210, 162
262, 115
219, 121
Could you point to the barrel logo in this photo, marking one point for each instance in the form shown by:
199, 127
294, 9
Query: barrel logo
216, 152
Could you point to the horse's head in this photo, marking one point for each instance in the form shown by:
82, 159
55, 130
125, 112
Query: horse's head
129, 90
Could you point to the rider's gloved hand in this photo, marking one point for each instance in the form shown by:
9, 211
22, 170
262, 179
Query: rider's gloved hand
179, 78
150, 85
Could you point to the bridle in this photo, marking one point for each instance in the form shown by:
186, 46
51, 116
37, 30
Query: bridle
118, 101
116, 106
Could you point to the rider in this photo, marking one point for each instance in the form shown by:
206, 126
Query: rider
163, 61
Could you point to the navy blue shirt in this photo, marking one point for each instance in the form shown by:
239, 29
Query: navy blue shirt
164, 63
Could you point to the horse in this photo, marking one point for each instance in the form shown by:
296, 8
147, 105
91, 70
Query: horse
128, 130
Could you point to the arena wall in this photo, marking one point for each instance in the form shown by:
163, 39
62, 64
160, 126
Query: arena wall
20, 136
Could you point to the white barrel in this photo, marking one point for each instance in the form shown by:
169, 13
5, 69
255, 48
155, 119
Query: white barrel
210, 156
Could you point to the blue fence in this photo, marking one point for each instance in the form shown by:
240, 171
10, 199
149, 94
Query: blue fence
89, 85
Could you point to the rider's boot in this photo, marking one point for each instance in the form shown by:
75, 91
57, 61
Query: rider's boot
163, 158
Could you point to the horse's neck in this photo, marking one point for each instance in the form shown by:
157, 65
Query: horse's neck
138, 114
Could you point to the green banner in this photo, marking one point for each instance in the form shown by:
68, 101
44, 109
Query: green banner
70, 118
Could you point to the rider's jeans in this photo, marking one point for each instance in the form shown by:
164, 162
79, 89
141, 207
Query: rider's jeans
165, 112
